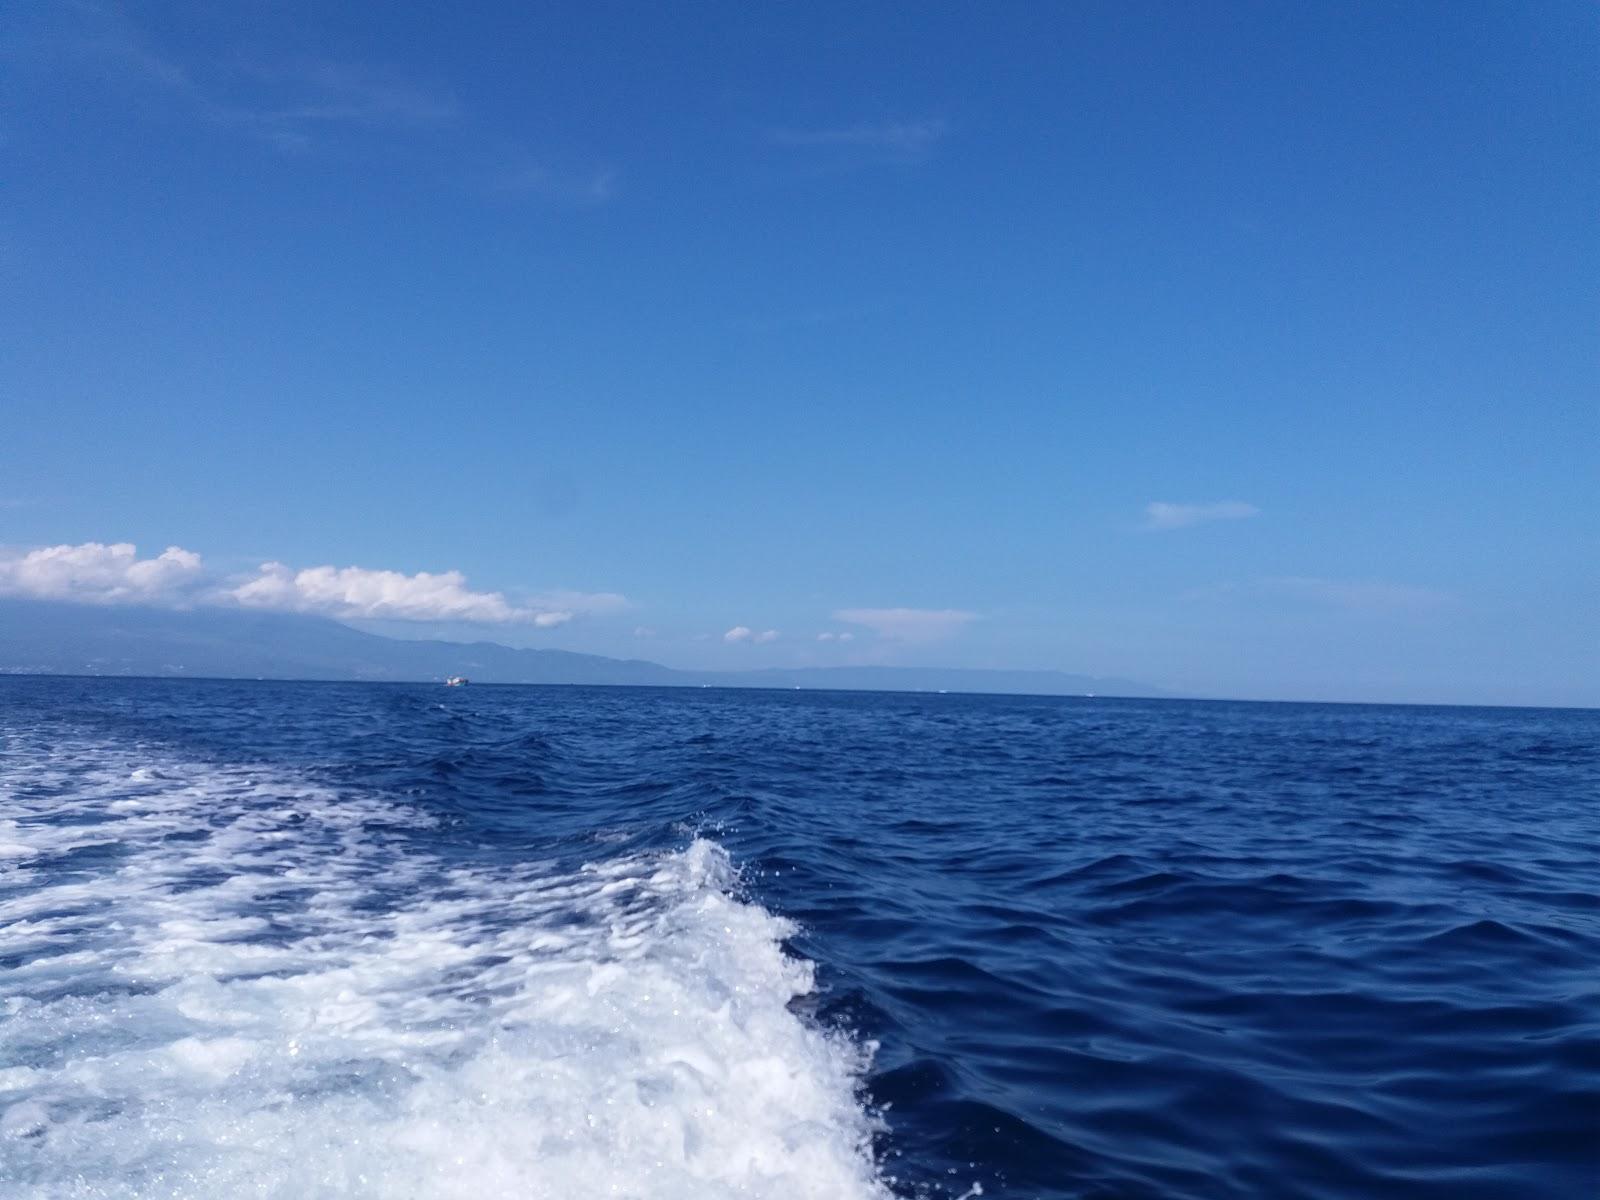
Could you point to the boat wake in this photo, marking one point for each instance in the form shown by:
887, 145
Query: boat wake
226, 981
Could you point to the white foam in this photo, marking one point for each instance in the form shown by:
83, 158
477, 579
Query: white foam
300, 1004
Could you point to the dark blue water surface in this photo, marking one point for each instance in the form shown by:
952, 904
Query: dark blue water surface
1105, 948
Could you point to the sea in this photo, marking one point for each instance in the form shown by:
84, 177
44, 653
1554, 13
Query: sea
302, 940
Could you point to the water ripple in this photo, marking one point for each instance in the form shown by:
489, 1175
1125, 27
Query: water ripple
1101, 948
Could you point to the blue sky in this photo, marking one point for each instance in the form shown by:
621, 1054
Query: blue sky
892, 321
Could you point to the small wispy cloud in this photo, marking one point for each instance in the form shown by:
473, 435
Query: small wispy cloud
584, 603
908, 624
98, 34
578, 188
828, 635
294, 105
1164, 515
358, 94
287, 103
1301, 592
301, 106
1361, 595
887, 141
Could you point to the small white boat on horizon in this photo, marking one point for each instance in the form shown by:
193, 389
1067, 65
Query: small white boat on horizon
456, 681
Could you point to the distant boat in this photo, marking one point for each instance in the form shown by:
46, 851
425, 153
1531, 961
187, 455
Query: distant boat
456, 681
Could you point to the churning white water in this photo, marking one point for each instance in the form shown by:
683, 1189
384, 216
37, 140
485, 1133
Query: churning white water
222, 982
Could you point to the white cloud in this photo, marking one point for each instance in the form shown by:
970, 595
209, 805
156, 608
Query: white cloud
907, 624
101, 574
111, 574
739, 633
829, 636
643, 631
765, 636
362, 592
1159, 514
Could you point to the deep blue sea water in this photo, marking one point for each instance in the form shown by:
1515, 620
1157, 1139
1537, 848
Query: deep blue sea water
302, 940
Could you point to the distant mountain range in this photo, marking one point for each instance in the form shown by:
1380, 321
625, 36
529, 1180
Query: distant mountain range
70, 639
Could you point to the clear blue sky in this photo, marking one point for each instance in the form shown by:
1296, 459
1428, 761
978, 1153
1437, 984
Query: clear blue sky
758, 315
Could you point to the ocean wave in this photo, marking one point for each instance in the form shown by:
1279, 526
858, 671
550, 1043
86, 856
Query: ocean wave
1175, 950
231, 981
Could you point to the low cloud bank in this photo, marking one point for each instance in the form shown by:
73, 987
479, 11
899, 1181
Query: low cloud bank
95, 573
351, 592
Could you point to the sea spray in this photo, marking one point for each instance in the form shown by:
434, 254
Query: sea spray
230, 981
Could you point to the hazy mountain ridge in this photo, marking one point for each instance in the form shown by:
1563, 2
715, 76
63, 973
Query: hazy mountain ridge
67, 639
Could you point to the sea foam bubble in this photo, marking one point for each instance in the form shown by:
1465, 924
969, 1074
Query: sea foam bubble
231, 982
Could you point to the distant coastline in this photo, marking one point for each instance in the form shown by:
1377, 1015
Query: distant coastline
41, 638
